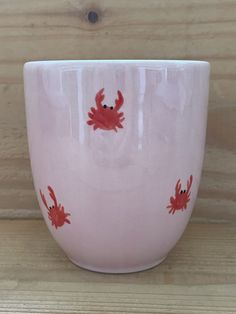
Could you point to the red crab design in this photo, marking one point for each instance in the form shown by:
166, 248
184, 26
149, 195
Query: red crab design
55, 212
105, 117
182, 197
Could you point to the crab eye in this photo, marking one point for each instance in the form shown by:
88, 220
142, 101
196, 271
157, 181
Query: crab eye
181, 192
111, 107
104, 106
184, 191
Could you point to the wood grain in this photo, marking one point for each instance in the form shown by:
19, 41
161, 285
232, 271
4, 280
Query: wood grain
199, 276
163, 29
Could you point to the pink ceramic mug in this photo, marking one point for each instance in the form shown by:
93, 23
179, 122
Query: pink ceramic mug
116, 151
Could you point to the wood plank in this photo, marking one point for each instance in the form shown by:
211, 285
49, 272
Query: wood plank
162, 29
199, 276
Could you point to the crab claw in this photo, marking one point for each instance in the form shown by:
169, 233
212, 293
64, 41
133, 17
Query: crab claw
44, 199
189, 183
177, 187
119, 101
99, 98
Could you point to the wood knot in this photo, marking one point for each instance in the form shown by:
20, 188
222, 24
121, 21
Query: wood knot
92, 16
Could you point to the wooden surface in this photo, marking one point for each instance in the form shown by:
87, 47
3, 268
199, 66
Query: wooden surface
199, 276
59, 29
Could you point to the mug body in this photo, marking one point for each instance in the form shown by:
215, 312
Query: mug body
116, 151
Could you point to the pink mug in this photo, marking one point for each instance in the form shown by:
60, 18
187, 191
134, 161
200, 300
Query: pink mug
116, 150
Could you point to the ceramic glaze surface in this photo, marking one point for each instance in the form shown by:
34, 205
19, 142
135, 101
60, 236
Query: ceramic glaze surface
116, 152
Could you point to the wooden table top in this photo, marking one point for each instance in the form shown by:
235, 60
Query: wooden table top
199, 275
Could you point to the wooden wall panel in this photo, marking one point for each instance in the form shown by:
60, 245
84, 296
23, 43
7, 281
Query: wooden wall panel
162, 29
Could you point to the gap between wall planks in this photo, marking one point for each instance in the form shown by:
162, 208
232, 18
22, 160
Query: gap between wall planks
161, 29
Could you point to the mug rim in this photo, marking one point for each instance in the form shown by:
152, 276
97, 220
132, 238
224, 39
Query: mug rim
121, 61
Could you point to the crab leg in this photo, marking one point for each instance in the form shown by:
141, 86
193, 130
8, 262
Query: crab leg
119, 125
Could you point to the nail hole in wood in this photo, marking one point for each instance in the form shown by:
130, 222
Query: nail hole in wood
92, 17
